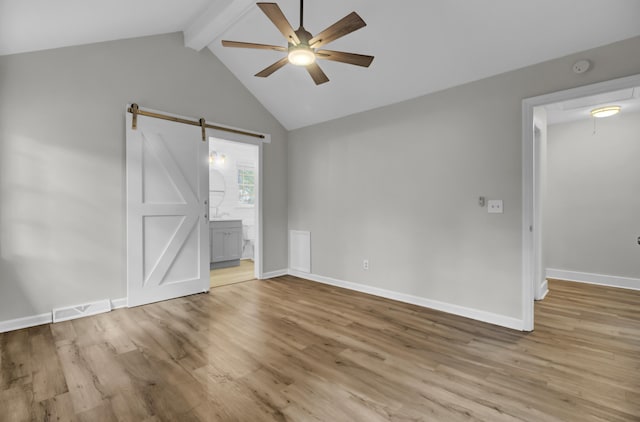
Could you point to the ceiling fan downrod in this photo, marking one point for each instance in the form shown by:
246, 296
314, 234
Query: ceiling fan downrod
301, 9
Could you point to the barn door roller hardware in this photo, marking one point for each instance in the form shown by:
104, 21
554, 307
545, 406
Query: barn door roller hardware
135, 110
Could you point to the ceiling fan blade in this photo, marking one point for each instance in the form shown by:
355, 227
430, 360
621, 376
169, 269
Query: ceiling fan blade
317, 74
270, 69
239, 44
273, 12
349, 58
348, 24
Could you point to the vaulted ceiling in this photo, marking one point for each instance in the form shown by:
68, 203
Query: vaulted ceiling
420, 46
31, 25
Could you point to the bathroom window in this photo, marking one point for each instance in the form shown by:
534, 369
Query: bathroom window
246, 185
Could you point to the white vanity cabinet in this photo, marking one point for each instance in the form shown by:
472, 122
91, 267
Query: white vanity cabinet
226, 243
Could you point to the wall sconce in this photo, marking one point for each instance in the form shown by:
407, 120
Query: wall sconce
217, 159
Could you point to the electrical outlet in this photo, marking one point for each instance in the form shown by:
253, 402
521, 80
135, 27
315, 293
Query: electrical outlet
365, 264
494, 206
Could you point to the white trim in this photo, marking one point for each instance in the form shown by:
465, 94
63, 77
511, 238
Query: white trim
214, 21
272, 274
245, 164
599, 279
528, 172
544, 290
119, 303
528, 190
258, 243
484, 316
26, 322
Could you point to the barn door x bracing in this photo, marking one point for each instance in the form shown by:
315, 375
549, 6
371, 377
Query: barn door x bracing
167, 211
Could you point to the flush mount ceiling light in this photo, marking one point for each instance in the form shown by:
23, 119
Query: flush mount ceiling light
605, 111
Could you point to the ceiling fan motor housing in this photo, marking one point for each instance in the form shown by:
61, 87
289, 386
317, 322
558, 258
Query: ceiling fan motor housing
304, 36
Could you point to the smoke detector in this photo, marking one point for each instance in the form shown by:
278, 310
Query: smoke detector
581, 66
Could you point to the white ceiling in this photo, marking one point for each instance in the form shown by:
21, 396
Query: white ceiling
31, 25
421, 46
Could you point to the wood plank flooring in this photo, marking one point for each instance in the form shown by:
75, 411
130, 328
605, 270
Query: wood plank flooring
232, 275
293, 350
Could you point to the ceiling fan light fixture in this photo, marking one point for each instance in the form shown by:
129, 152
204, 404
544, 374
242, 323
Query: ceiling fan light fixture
605, 111
301, 56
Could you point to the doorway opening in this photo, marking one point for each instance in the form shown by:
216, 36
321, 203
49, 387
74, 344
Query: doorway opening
561, 107
234, 211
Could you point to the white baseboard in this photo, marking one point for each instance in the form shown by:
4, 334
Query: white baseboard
542, 291
484, 316
599, 279
272, 274
46, 318
26, 322
119, 303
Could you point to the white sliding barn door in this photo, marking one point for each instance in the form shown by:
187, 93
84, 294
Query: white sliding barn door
167, 210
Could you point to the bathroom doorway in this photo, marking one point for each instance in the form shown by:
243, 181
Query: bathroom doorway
234, 211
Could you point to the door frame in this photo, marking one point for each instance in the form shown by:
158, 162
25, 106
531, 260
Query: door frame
531, 230
232, 137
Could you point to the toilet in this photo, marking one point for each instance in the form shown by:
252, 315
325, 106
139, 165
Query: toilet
248, 241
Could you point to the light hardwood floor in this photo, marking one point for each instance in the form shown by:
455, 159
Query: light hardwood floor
232, 275
288, 349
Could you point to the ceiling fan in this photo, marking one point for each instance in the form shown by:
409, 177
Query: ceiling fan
304, 48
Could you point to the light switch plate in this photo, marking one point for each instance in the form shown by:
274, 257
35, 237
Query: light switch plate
494, 206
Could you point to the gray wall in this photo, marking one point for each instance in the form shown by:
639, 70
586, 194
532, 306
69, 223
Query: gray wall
592, 215
399, 185
62, 161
